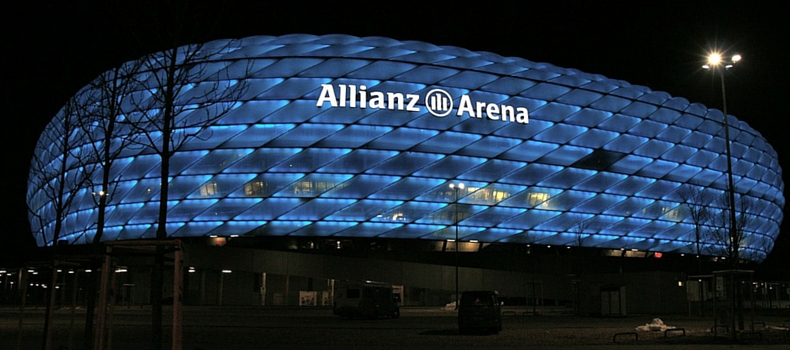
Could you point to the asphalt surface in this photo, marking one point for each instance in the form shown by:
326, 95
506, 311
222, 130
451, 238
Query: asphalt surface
418, 328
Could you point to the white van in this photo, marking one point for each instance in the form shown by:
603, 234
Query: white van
365, 299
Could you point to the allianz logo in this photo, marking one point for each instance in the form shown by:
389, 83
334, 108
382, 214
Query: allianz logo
437, 102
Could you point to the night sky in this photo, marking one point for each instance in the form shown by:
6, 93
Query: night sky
53, 48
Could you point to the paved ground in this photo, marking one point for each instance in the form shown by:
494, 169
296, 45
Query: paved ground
418, 328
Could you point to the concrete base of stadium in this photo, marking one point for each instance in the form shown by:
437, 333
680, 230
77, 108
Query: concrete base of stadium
226, 273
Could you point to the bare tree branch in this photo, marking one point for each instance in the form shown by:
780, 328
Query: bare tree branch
59, 176
696, 201
578, 230
730, 242
100, 118
183, 91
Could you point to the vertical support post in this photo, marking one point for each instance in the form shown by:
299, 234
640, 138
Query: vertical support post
287, 290
157, 291
734, 241
457, 301
455, 188
715, 305
178, 292
50, 309
221, 287
701, 297
332, 292
98, 339
74, 289
202, 287
22, 289
111, 306
715, 63
263, 288
732, 305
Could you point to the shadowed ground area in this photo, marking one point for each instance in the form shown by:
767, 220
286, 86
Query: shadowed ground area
422, 328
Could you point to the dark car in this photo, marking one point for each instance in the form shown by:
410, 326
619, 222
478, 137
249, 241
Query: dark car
479, 311
365, 299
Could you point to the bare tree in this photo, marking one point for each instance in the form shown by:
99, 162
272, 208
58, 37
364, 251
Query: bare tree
578, 230
100, 116
728, 241
579, 236
56, 171
181, 92
60, 178
102, 121
184, 91
697, 202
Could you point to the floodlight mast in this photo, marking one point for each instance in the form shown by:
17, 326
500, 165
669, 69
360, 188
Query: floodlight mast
716, 63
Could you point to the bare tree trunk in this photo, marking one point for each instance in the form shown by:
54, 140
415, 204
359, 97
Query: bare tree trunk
90, 308
157, 273
22, 303
47, 341
74, 284
157, 284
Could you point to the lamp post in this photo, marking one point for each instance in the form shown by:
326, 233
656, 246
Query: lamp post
717, 63
455, 187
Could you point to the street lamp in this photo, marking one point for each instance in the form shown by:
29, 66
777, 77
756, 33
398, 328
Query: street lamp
717, 63
455, 187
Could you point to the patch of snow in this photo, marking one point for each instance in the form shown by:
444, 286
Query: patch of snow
657, 325
449, 307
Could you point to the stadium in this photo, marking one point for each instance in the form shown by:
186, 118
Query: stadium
303, 159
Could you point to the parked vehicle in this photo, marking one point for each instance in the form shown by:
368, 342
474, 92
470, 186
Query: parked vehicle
365, 299
479, 311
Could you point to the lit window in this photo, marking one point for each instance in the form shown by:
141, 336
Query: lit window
210, 188
255, 189
312, 188
500, 195
488, 195
671, 214
303, 187
535, 198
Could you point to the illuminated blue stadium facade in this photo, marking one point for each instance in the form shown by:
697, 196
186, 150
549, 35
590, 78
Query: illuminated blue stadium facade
345, 137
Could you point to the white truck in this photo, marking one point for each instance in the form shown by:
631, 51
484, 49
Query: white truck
365, 299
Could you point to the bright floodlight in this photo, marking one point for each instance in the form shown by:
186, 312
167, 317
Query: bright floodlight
714, 59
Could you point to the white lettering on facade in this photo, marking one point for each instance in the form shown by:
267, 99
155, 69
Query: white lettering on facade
438, 103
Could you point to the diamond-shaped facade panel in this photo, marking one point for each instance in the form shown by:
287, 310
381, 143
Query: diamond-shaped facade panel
341, 136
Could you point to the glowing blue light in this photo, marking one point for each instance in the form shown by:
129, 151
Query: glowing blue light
276, 164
